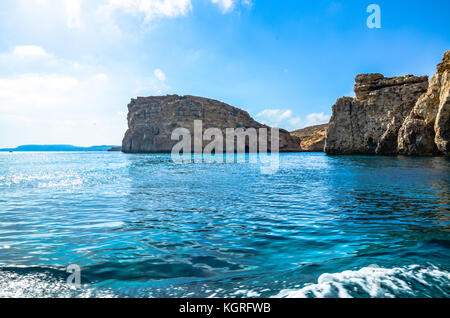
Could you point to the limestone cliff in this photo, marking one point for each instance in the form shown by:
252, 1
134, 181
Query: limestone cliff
426, 130
312, 139
151, 121
369, 123
399, 115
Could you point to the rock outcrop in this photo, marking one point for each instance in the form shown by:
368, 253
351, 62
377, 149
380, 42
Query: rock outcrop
151, 121
426, 130
115, 149
369, 123
312, 139
399, 115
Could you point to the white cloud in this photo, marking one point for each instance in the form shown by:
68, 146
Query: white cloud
73, 11
317, 119
151, 9
101, 77
101, 16
275, 116
153, 85
29, 92
29, 52
68, 11
26, 59
295, 122
56, 108
225, 5
159, 74
228, 5
58, 104
284, 118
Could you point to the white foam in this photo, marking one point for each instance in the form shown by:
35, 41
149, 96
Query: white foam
42, 285
374, 282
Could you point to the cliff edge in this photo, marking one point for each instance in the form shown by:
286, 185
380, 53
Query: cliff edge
369, 123
398, 115
426, 130
151, 121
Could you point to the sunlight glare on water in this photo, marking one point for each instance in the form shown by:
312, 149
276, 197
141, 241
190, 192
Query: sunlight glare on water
141, 226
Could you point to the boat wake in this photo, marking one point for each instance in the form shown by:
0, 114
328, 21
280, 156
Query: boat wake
409, 281
40, 282
373, 281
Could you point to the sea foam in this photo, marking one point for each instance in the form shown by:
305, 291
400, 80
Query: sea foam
373, 281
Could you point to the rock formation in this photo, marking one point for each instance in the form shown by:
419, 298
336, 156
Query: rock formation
115, 149
399, 115
151, 121
426, 130
312, 139
369, 123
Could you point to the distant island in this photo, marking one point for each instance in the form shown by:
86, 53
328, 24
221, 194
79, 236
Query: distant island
151, 121
26, 148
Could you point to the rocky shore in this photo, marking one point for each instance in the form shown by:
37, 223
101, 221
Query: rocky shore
151, 121
389, 116
406, 115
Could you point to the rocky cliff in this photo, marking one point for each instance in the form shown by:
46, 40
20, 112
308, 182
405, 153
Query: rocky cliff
369, 123
312, 139
151, 121
389, 116
426, 130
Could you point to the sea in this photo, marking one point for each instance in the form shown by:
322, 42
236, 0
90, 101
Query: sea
108, 224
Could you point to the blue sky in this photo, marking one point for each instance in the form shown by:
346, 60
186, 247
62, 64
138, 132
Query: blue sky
68, 68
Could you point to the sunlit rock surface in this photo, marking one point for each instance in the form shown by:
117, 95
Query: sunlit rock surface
151, 121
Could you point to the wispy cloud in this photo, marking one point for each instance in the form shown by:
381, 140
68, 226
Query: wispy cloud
28, 52
45, 98
73, 11
225, 5
317, 119
228, 5
152, 85
284, 118
151, 9
103, 14
159, 74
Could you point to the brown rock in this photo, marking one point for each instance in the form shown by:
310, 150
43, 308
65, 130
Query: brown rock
369, 123
312, 139
426, 130
445, 64
151, 121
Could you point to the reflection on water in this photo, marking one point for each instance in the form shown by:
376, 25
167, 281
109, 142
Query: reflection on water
141, 226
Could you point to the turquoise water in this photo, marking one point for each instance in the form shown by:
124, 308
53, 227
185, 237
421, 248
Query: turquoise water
141, 226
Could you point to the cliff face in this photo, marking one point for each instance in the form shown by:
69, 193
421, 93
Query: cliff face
426, 130
151, 121
312, 139
369, 123
399, 115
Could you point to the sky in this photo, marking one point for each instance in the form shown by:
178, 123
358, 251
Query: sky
68, 68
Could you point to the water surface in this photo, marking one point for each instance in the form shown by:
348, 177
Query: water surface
141, 226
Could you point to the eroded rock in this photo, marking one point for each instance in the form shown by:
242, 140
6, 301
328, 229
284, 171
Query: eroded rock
399, 115
151, 121
426, 130
369, 123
